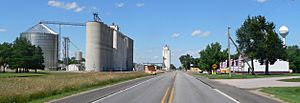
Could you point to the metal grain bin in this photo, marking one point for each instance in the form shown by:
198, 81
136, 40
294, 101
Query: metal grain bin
42, 36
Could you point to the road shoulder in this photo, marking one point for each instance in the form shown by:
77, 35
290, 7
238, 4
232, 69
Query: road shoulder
92, 95
240, 95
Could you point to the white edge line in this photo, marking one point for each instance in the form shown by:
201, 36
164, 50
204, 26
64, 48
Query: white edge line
92, 90
121, 91
227, 96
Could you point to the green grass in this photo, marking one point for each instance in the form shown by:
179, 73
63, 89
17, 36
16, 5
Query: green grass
53, 85
246, 76
289, 94
11, 74
291, 80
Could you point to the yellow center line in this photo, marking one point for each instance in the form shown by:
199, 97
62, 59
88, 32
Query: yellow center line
171, 96
170, 99
164, 98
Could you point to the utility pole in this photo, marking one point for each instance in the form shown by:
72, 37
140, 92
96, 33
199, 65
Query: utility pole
229, 60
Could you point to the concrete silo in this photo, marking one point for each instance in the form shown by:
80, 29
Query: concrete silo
166, 57
99, 43
129, 60
118, 49
42, 36
122, 50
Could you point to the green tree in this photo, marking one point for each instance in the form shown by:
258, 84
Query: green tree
71, 60
272, 48
249, 36
180, 68
258, 40
5, 54
186, 61
37, 59
25, 56
212, 54
293, 56
19, 52
173, 67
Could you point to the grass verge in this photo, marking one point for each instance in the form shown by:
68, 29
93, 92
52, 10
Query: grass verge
288, 94
245, 76
50, 86
291, 80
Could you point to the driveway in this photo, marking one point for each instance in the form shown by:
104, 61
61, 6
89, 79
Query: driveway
260, 82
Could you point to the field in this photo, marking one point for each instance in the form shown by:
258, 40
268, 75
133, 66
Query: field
289, 94
245, 76
28, 87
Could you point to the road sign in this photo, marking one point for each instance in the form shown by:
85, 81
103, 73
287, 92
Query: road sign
214, 66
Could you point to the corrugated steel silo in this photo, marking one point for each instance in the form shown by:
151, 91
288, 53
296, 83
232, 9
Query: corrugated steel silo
42, 36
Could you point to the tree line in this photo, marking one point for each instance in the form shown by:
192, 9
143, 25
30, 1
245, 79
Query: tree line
212, 54
293, 53
257, 40
21, 56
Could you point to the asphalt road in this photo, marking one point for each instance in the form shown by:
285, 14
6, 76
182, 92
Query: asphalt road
172, 87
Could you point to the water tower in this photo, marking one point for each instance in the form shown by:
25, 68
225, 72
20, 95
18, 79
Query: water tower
283, 31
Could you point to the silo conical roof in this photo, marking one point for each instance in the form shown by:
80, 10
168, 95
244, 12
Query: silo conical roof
40, 28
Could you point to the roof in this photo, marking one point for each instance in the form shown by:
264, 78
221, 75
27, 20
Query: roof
40, 28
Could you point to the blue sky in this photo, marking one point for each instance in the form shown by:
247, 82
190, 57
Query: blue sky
186, 25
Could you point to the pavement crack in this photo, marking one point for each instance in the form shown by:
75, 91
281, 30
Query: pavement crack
205, 83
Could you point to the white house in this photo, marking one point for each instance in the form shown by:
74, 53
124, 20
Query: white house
239, 66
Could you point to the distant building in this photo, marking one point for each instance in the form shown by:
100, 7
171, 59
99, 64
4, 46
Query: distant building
107, 49
166, 53
151, 69
240, 66
139, 67
42, 36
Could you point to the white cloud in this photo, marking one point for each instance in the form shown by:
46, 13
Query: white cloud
2, 30
72, 5
140, 4
119, 5
175, 35
261, 1
79, 9
55, 3
200, 33
68, 5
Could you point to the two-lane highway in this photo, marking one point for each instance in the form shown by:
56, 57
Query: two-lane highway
190, 90
173, 87
151, 91
170, 87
